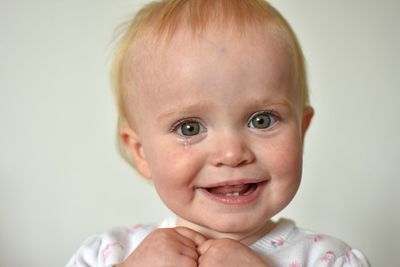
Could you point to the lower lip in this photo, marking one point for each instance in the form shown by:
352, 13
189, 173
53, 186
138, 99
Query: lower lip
236, 200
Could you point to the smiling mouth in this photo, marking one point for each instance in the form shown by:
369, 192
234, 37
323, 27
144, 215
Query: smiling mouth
234, 194
233, 190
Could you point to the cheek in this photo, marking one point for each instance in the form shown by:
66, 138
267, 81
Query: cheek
174, 176
289, 161
283, 158
174, 165
288, 171
283, 161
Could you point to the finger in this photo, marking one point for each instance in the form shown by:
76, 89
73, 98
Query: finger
189, 252
194, 236
183, 240
186, 261
202, 249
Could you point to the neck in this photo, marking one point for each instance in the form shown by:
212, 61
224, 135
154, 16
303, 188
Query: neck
246, 238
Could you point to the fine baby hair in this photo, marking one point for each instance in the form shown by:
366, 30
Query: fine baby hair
158, 21
213, 108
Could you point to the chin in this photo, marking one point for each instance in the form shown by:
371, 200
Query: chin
234, 224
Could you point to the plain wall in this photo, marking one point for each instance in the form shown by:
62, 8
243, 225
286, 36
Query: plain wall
61, 178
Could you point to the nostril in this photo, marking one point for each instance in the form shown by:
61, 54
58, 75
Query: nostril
233, 157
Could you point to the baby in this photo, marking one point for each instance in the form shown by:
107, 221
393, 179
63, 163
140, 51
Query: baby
213, 108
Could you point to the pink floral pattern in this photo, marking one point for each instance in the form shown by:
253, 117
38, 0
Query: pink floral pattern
318, 238
329, 255
294, 264
108, 250
278, 243
134, 229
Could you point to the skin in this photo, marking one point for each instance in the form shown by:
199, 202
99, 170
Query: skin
167, 247
219, 82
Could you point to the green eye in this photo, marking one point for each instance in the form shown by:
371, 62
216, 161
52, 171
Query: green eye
190, 128
262, 121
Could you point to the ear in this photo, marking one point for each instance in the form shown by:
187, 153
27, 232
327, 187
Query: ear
308, 114
134, 150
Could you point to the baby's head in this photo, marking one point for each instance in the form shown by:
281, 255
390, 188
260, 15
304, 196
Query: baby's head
158, 22
213, 107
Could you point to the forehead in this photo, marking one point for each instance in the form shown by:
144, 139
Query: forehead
151, 50
208, 61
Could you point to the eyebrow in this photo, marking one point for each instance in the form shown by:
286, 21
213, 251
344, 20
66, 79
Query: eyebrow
181, 111
192, 108
269, 101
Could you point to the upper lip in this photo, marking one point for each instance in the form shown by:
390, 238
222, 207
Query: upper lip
232, 183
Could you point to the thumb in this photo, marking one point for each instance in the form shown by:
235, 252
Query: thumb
196, 237
202, 249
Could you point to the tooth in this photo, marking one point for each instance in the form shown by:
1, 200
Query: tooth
235, 194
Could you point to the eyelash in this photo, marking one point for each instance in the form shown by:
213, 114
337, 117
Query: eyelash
180, 122
262, 121
268, 112
175, 127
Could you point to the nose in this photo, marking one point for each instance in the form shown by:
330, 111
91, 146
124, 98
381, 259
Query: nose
231, 150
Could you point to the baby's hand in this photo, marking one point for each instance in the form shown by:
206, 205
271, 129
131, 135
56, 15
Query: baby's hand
167, 247
228, 252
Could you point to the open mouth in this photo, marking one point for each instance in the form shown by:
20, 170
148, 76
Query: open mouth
233, 190
235, 194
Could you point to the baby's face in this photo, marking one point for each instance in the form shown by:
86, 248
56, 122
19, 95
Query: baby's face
219, 128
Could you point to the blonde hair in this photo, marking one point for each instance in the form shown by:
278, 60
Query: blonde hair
161, 19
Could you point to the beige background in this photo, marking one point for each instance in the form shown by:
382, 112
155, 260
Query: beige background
61, 178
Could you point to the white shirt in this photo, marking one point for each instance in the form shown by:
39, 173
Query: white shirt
286, 245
